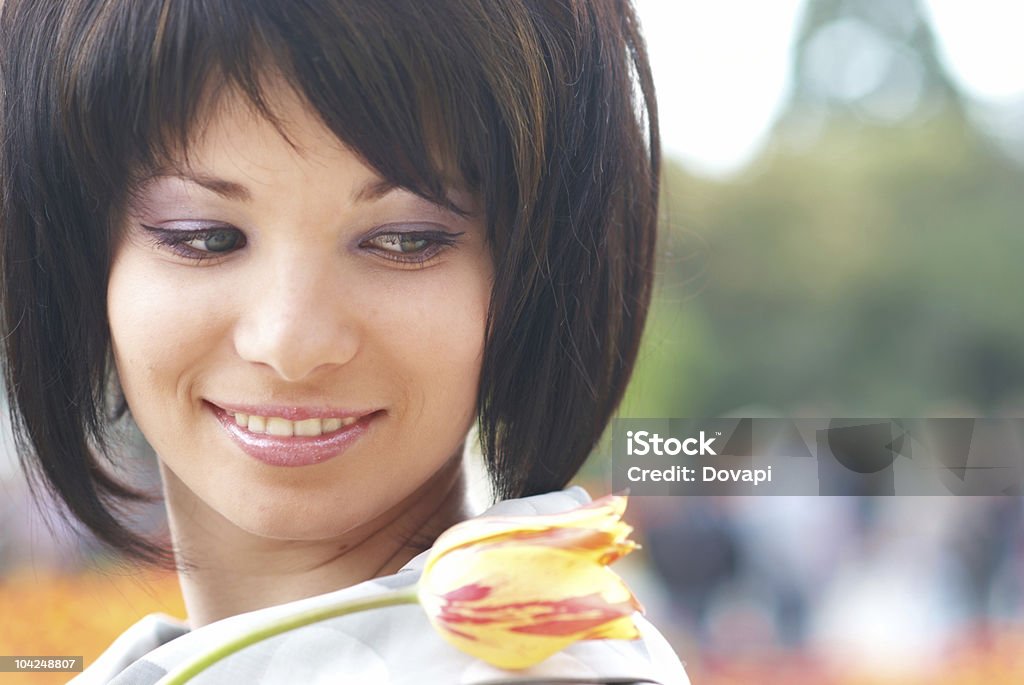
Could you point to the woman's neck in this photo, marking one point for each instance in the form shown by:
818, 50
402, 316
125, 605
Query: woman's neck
228, 571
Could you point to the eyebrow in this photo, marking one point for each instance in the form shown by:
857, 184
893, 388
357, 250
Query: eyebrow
374, 189
226, 189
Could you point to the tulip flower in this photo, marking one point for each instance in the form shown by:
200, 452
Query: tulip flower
513, 591
510, 591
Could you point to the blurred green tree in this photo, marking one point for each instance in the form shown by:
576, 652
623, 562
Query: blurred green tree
866, 264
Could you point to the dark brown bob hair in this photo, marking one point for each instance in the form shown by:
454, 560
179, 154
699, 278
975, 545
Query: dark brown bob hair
545, 108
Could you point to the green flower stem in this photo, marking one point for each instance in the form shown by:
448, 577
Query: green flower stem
281, 625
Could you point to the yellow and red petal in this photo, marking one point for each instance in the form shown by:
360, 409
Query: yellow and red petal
603, 514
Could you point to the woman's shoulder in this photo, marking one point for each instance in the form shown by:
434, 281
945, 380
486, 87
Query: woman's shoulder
389, 646
132, 645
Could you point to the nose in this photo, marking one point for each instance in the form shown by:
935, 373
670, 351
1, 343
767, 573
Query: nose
294, 323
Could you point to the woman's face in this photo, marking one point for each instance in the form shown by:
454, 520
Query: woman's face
300, 344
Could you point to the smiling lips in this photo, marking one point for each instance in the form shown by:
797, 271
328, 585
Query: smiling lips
296, 439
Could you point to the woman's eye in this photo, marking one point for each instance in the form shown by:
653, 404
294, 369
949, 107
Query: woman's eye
411, 247
198, 245
222, 240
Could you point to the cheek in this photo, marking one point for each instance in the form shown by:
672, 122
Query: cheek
157, 332
439, 332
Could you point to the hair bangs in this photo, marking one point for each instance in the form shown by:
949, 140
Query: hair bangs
138, 105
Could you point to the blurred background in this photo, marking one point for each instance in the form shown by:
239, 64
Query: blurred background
841, 237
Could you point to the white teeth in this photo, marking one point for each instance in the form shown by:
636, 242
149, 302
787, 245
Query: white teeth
280, 427
277, 426
310, 427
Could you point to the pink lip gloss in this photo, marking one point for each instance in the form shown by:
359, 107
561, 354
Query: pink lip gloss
295, 450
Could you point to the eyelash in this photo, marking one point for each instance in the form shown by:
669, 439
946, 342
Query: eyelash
175, 240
